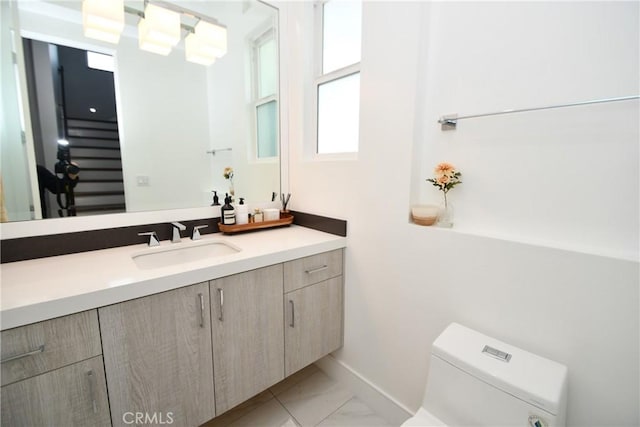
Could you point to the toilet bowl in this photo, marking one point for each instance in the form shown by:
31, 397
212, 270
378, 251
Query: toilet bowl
476, 380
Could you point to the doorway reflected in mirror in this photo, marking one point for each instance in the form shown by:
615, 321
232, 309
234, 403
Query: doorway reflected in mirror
75, 130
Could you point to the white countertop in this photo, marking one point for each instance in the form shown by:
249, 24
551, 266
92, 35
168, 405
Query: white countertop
45, 288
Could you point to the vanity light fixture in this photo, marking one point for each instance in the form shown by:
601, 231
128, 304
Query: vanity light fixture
103, 20
207, 42
158, 30
196, 50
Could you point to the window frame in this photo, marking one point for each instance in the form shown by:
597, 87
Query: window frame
319, 79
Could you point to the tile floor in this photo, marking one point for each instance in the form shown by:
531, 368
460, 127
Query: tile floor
307, 398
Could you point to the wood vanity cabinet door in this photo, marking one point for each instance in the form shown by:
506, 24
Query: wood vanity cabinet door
248, 342
158, 359
75, 395
313, 323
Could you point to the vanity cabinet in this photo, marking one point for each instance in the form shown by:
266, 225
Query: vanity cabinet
158, 357
314, 305
53, 374
247, 328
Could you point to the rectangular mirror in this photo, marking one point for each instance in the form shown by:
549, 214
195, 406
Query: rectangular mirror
170, 130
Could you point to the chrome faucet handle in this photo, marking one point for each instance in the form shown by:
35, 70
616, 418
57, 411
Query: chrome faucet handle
196, 232
153, 238
177, 227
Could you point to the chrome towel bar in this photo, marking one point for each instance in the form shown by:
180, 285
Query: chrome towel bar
450, 121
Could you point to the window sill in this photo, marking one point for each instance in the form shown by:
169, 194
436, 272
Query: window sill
331, 157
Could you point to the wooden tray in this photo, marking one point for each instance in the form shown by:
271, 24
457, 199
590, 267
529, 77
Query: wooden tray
285, 220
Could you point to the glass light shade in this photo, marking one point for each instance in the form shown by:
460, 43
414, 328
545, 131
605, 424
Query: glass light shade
197, 51
159, 27
215, 36
150, 45
103, 20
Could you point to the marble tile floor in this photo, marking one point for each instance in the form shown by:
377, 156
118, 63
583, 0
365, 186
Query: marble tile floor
307, 398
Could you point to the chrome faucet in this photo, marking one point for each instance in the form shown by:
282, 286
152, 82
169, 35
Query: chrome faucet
153, 238
177, 227
196, 232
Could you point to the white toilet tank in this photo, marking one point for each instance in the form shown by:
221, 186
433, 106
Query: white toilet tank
475, 380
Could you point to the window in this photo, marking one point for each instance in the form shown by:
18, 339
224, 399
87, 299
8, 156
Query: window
265, 66
100, 61
337, 87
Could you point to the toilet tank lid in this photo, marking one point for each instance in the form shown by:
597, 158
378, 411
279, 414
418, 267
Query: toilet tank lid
534, 379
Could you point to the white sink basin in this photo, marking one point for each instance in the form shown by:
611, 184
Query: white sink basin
180, 253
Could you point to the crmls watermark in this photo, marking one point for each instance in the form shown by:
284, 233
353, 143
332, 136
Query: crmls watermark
147, 418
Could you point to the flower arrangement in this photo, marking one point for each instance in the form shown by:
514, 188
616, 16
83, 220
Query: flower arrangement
445, 178
228, 173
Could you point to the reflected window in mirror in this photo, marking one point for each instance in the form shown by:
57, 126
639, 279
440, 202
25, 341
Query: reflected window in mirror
265, 78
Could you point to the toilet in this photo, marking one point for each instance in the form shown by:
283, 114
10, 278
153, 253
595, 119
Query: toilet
476, 380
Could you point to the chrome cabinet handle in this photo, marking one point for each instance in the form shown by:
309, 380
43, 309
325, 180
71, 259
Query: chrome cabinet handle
293, 313
221, 304
92, 393
317, 269
201, 310
27, 354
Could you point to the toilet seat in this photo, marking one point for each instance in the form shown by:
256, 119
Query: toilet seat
423, 418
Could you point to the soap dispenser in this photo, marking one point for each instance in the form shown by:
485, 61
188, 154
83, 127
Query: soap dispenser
242, 213
216, 201
227, 212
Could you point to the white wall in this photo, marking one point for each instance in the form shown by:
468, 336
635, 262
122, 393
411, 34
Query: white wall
15, 191
566, 291
171, 147
544, 175
43, 70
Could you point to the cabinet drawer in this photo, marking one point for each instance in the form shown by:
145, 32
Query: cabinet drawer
75, 395
312, 269
30, 350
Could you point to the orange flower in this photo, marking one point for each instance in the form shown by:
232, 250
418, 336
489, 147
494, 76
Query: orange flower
443, 180
444, 169
445, 177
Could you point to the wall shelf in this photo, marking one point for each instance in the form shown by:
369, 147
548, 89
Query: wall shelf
543, 243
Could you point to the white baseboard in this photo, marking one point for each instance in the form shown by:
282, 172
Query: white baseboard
385, 406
